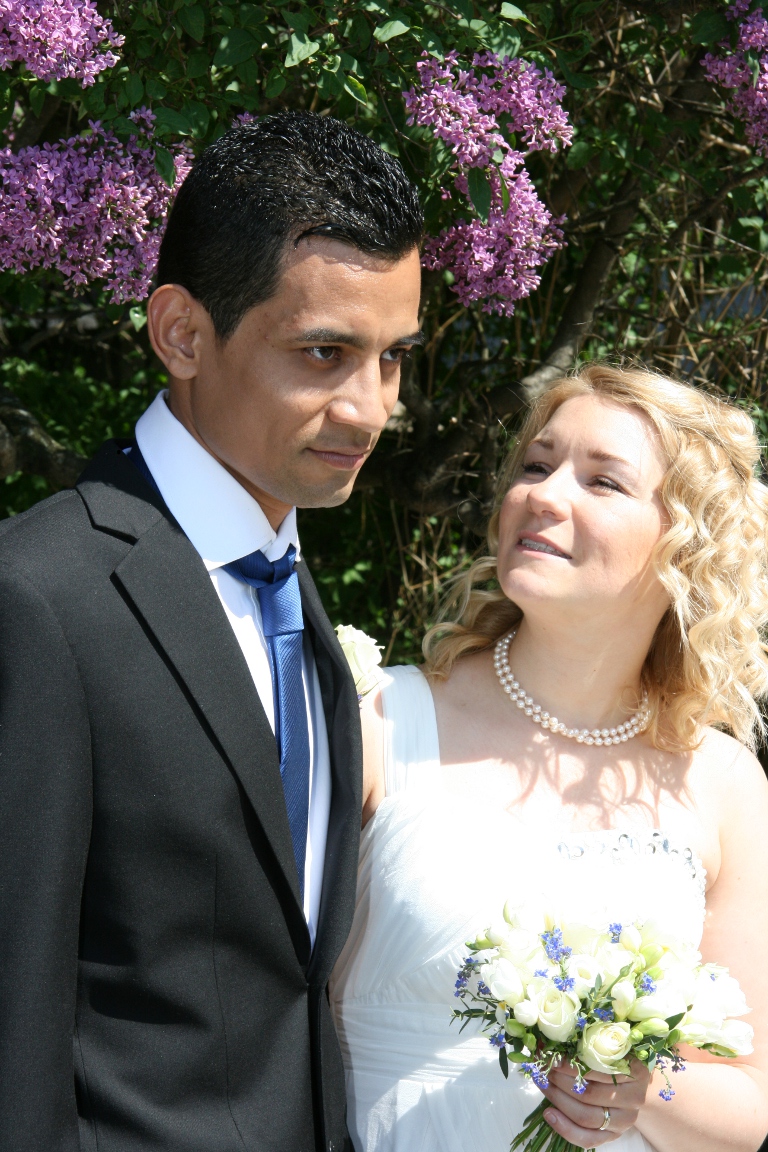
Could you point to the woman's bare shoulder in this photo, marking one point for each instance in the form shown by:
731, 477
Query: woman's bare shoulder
732, 777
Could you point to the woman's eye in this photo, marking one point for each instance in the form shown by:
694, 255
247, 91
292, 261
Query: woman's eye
534, 469
604, 482
322, 352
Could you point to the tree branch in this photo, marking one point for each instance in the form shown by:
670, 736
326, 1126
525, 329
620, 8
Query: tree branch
32, 127
25, 446
577, 317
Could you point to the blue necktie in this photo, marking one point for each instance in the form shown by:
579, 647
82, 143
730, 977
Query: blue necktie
277, 587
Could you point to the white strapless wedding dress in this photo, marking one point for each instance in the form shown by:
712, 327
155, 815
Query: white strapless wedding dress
435, 869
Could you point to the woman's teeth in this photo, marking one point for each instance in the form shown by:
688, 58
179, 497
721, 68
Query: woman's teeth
537, 546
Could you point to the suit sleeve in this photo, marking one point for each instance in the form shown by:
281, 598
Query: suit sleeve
45, 817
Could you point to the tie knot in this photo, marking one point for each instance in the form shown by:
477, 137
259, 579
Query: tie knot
277, 587
257, 571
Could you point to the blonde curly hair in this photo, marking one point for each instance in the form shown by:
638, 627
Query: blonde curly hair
707, 663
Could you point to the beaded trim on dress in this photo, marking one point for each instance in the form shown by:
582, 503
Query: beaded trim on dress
618, 845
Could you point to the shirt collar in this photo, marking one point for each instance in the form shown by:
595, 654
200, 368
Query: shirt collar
222, 521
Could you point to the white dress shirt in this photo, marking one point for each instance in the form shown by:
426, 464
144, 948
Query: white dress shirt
224, 523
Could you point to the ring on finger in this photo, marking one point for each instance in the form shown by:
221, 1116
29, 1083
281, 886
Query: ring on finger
606, 1119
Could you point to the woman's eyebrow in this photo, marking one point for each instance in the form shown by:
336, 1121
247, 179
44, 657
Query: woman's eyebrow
610, 458
596, 454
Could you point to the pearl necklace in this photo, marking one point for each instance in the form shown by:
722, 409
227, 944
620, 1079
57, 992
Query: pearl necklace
619, 735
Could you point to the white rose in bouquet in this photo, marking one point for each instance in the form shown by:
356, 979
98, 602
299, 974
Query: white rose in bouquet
735, 1038
557, 1010
583, 939
716, 994
613, 959
583, 970
504, 982
603, 1047
363, 656
526, 1012
521, 947
623, 998
659, 1005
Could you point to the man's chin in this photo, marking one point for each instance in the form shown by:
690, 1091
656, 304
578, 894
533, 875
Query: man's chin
325, 495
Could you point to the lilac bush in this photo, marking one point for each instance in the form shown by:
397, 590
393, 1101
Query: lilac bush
743, 70
57, 39
473, 111
91, 207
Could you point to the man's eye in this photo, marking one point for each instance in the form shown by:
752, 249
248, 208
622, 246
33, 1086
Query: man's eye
395, 355
322, 352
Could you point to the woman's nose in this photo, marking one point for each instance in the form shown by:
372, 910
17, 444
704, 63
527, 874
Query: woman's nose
551, 495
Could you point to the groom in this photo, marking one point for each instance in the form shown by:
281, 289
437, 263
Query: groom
180, 755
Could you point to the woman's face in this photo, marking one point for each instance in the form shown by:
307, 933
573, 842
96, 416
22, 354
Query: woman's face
578, 527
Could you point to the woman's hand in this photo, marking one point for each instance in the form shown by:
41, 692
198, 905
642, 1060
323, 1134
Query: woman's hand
580, 1118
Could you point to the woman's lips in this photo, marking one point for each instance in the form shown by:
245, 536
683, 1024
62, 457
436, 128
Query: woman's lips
346, 461
541, 547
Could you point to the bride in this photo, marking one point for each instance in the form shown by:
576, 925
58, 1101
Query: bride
626, 588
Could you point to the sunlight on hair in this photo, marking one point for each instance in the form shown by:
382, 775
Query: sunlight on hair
707, 663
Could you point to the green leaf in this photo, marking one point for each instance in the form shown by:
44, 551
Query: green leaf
512, 12
198, 115
37, 98
753, 60
389, 30
251, 16
431, 42
134, 89
575, 80
299, 21
165, 166
355, 89
192, 20
579, 154
504, 194
480, 192
709, 28
198, 64
504, 1062
138, 317
274, 84
301, 49
169, 122
235, 47
673, 1021
156, 90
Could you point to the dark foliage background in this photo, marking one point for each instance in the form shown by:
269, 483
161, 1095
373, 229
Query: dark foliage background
665, 208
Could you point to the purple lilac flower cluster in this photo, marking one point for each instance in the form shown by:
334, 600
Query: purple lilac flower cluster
734, 71
498, 261
57, 39
91, 207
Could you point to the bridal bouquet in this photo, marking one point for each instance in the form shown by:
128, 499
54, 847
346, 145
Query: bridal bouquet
595, 999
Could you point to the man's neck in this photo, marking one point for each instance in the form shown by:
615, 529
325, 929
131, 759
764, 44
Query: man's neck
274, 510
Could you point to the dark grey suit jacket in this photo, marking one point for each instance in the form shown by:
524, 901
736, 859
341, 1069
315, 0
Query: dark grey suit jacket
157, 988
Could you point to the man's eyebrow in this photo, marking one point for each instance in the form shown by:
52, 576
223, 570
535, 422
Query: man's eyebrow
336, 336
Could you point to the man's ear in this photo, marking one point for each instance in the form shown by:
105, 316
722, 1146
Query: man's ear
178, 327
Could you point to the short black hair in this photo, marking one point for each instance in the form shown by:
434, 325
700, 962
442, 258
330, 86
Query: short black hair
265, 184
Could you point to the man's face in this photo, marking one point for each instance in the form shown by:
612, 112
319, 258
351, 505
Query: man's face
294, 401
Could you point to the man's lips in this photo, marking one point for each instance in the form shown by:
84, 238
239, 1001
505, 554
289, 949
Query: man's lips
344, 460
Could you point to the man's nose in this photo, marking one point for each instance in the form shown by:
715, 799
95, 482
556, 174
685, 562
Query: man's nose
366, 400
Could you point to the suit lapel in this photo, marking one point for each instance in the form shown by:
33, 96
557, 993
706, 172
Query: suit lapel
342, 712
170, 589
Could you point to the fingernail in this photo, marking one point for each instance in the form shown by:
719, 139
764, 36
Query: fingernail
551, 1117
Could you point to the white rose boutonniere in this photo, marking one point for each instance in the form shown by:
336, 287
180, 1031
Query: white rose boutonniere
363, 656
